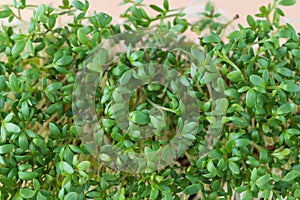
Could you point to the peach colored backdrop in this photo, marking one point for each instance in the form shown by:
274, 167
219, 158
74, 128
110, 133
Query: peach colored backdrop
229, 7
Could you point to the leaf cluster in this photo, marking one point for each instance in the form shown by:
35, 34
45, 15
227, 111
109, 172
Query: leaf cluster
256, 67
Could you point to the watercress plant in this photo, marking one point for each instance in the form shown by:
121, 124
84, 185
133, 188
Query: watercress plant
256, 66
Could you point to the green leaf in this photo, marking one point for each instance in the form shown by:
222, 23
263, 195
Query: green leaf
297, 193
189, 136
184, 81
197, 54
290, 87
234, 167
154, 194
94, 67
104, 157
41, 10
18, 47
17, 196
257, 81
190, 128
285, 108
234, 35
28, 175
251, 21
263, 156
285, 71
54, 86
2, 82
293, 131
166, 5
57, 107
296, 53
128, 143
252, 161
240, 189
250, 98
284, 33
32, 25
156, 8
5, 13
82, 37
239, 121
281, 154
136, 12
27, 193
84, 165
248, 195
13, 83
211, 167
263, 63
101, 57
36, 184
116, 136
290, 176
213, 38
103, 19
234, 76
242, 142
23, 141
7, 182
8, 117
119, 70
54, 130
192, 189
136, 55
263, 10
125, 77
71, 196
5, 148
140, 117
167, 153
79, 5
108, 123
66, 167
115, 108
216, 185
262, 181
13, 128
109, 177
287, 2
120, 195
65, 60
66, 3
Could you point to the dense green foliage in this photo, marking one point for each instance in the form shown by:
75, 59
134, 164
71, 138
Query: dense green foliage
256, 68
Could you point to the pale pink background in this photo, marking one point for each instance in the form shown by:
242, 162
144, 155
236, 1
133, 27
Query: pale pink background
229, 7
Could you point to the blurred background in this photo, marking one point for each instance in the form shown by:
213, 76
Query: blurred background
229, 8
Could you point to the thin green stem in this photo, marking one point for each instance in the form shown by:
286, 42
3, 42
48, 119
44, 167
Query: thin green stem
159, 107
227, 60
